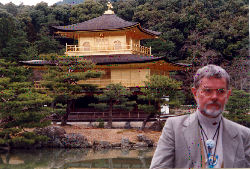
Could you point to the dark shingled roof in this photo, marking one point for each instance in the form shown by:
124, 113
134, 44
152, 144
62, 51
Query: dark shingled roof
104, 22
121, 59
109, 59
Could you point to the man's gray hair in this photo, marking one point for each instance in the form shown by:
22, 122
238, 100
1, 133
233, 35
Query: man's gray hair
211, 71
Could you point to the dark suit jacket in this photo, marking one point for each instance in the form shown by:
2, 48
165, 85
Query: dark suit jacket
179, 145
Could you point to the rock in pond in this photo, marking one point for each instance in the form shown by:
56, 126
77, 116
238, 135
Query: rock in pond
145, 139
101, 144
75, 140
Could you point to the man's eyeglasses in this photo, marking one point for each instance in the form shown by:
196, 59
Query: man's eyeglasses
209, 92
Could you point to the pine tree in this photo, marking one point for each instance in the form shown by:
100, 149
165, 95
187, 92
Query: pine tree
157, 87
21, 106
115, 96
238, 107
61, 81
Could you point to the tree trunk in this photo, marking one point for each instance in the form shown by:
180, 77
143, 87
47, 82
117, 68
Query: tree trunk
146, 120
241, 83
65, 116
52, 105
110, 116
150, 116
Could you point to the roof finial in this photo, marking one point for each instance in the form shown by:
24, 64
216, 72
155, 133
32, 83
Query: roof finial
109, 11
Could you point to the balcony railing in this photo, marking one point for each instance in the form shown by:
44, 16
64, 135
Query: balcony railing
141, 50
133, 49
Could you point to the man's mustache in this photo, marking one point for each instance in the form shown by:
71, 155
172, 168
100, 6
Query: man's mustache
211, 102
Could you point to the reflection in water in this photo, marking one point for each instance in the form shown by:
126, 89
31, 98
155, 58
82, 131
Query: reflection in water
112, 163
76, 158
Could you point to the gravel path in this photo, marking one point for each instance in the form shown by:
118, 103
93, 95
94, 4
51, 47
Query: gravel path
111, 135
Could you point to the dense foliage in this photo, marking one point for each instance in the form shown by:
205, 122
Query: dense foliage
190, 29
194, 32
238, 107
114, 96
21, 106
61, 82
197, 32
156, 88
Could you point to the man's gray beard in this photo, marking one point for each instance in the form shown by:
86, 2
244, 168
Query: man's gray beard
212, 112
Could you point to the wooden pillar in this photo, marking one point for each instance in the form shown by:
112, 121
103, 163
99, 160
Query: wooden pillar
73, 106
77, 34
131, 44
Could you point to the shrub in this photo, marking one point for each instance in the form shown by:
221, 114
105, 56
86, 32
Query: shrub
101, 123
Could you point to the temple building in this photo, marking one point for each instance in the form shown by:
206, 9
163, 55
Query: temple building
107, 35
113, 44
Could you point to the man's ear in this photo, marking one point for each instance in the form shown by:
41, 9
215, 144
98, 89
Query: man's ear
194, 91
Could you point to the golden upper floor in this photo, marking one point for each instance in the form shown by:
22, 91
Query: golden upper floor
106, 35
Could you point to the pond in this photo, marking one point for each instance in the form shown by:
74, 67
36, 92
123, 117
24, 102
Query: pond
76, 158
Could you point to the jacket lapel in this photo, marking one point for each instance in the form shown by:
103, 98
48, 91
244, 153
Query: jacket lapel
192, 138
229, 143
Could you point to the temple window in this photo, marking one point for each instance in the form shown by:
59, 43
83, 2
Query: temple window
86, 46
101, 43
117, 45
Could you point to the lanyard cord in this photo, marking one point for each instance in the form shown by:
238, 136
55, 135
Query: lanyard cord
217, 131
204, 131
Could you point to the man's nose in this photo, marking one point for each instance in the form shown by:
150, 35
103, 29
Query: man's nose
214, 95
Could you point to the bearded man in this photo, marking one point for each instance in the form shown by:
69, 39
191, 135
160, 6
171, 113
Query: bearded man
204, 139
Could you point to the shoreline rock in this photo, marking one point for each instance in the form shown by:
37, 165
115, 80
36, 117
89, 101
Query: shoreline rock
58, 138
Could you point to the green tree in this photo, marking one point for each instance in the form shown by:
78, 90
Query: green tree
238, 69
115, 96
62, 79
148, 15
89, 9
11, 8
7, 27
21, 106
157, 87
238, 107
15, 49
62, 14
47, 44
39, 15
125, 9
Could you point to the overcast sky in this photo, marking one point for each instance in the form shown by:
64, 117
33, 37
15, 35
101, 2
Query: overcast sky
29, 2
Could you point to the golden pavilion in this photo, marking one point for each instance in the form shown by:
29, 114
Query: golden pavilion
113, 44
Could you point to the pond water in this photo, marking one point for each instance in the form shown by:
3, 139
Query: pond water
76, 158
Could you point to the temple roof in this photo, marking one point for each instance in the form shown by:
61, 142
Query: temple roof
104, 22
109, 59
121, 59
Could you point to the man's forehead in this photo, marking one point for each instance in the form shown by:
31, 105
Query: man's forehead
212, 82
